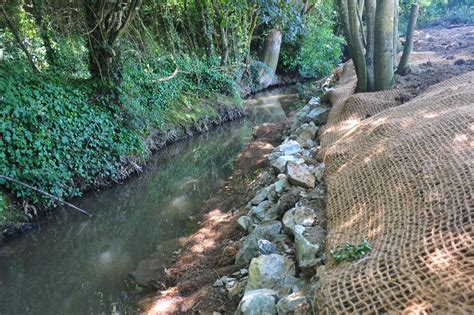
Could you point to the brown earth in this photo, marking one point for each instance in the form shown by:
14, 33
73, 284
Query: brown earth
186, 286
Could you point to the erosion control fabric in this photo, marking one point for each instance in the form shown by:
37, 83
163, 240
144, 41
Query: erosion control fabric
401, 177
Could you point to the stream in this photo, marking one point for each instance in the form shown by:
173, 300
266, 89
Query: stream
74, 265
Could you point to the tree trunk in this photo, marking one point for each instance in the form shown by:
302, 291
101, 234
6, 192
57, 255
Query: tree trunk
357, 52
106, 22
383, 45
17, 36
207, 36
38, 14
409, 39
369, 53
271, 50
397, 45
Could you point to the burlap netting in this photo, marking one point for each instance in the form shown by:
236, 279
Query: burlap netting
401, 176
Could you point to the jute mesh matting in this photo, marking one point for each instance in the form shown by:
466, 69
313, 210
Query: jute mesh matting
401, 176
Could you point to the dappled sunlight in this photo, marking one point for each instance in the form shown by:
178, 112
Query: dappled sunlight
417, 308
167, 305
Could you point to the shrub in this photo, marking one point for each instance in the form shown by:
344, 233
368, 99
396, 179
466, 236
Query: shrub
53, 137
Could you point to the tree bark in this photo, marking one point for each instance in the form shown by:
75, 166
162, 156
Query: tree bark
383, 45
357, 52
271, 50
106, 22
409, 39
38, 14
17, 36
370, 6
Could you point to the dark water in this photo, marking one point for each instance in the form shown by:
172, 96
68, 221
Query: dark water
75, 265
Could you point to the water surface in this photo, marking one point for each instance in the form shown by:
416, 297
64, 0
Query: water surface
75, 265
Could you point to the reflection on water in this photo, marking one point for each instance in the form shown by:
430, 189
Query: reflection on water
76, 265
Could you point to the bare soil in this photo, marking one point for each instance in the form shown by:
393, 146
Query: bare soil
186, 286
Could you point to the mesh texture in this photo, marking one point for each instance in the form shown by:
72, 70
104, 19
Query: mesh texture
400, 176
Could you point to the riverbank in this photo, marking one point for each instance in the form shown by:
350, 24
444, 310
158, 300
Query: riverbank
285, 205
18, 215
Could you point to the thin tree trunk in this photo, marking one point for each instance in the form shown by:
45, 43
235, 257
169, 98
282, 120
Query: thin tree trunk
253, 24
16, 33
369, 54
383, 45
409, 39
38, 14
357, 53
396, 38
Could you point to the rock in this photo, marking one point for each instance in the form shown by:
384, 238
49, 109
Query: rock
306, 132
281, 185
280, 164
266, 247
244, 223
238, 288
244, 271
315, 100
271, 214
319, 172
289, 147
259, 211
272, 272
248, 250
274, 155
261, 195
218, 283
258, 302
250, 246
298, 216
267, 230
308, 242
295, 303
299, 175
308, 144
318, 115
288, 200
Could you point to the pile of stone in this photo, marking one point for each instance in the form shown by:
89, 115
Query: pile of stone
286, 226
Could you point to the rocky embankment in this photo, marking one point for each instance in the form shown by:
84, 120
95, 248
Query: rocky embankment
285, 223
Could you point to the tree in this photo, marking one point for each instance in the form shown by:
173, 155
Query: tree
373, 48
106, 22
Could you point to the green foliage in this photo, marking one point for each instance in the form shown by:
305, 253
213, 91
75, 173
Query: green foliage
146, 102
351, 252
437, 11
53, 137
319, 50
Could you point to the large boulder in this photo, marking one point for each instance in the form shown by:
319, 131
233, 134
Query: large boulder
295, 303
258, 302
300, 175
298, 216
272, 272
308, 242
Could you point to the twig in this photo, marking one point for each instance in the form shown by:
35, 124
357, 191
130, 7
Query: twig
47, 194
167, 78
